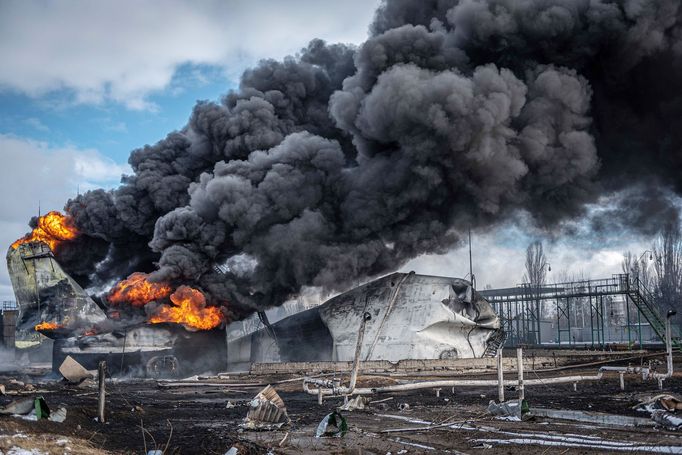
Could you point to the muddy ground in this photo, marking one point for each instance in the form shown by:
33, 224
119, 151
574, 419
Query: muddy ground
198, 419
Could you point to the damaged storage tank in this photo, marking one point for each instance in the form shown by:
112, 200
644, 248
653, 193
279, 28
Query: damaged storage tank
408, 316
46, 295
52, 303
411, 317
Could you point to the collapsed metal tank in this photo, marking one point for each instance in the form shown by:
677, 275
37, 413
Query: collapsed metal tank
53, 304
412, 317
47, 294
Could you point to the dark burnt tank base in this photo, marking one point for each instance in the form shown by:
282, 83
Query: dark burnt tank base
166, 350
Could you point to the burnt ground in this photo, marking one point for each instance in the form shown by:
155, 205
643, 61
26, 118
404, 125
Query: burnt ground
197, 419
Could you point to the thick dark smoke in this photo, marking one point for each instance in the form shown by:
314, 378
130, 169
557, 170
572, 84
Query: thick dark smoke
345, 162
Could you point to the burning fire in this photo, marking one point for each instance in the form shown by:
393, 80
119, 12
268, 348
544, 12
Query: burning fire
189, 309
47, 326
138, 291
53, 228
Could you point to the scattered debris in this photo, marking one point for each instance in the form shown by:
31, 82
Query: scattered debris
403, 407
284, 439
662, 409
666, 419
357, 403
593, 417
332, 425
59, 415
30, 409
232, 451
230, 405
2, 389
665, 402
21, 407
266, 411
87, 384
381, 401
73, 371
507, 409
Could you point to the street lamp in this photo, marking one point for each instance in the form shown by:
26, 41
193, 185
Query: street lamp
651, 256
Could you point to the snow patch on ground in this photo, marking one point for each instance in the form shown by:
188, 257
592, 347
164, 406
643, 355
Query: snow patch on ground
20, 451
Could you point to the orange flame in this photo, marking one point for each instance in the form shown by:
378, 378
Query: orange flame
138, 291
53, 229
189, 309
47, 326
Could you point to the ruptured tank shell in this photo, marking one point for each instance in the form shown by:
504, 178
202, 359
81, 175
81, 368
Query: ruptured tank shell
45, 293
412, 317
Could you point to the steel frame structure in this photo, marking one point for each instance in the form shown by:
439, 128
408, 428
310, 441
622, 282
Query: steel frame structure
521, 312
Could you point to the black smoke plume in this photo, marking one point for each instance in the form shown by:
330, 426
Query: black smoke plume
345, 162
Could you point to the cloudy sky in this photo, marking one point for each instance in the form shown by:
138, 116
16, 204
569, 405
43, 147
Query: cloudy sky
83, 83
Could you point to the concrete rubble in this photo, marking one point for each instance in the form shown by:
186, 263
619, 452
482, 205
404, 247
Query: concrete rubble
73, 371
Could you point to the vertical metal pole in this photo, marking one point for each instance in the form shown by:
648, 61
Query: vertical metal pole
603, 331
518, 323
538, 314
639, 327
519, 367
500, 376
627, 315
568, 321
358, 349
591, 317
558, 320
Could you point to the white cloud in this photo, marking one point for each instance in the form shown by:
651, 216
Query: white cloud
37, 173
499, 258
125, 50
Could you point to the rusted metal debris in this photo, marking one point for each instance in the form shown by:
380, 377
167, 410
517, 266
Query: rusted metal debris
266, 411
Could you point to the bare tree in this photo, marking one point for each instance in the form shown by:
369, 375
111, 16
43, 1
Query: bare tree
637, 267
668, 266
536, 272
536, 265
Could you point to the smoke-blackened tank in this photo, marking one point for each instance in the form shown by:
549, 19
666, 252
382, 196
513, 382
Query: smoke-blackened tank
47, 295
52, 303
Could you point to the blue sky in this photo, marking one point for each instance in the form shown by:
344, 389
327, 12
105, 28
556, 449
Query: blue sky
111, 128
84, 83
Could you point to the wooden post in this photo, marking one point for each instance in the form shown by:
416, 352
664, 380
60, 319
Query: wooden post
102, 370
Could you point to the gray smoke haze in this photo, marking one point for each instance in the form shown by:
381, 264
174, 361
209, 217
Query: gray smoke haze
342, 162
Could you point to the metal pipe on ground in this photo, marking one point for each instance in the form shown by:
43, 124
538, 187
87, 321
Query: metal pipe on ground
325, 388
335, 389
453, 383
660, 377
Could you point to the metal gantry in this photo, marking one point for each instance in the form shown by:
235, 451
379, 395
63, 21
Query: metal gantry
621, 312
